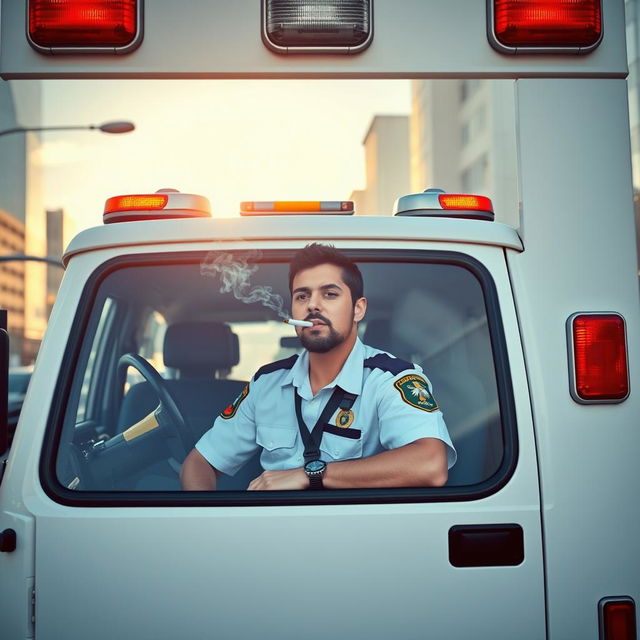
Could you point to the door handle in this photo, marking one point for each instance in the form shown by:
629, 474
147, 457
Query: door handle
8, 541
486, 545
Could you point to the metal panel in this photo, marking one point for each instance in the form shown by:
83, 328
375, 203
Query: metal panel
218, 38
579, 254
374, 564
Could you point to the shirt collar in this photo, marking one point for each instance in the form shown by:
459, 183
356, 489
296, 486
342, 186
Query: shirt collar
349, 378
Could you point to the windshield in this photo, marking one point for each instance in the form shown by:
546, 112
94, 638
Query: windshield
207, 343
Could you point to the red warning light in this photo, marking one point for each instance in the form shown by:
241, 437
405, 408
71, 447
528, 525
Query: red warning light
600, 357
84, 24
465, 201
617, 619
550, 24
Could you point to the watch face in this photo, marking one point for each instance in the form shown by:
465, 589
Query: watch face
314, 466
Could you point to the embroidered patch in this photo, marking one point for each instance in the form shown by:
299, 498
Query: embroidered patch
230, 411
414, 391
344, 419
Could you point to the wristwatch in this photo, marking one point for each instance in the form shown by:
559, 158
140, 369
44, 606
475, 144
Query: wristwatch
315, 470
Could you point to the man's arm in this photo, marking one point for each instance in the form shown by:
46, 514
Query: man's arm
197, 474
422, 463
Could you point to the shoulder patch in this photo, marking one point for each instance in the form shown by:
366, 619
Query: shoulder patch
286, 363
415, 391
230, 411
385, 362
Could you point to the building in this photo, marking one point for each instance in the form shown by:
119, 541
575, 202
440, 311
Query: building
386, 148
12, 287
632, 13
462, 140
55, 248
22, 215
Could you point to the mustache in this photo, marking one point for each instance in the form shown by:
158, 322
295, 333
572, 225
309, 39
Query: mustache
317, 316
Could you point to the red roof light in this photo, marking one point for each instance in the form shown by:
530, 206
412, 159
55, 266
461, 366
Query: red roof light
162, 205
462, 201
551, 24
84, 24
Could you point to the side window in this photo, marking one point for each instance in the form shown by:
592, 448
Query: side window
128, 426
93, 368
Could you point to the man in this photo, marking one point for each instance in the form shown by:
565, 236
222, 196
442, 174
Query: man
340, 415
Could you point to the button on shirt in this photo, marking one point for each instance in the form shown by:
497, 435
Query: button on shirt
265, 417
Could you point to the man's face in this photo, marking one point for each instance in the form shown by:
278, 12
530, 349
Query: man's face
320, 295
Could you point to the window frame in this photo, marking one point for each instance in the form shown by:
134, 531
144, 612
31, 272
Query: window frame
467, 493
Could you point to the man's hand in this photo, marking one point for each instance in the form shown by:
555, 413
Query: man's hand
292, 479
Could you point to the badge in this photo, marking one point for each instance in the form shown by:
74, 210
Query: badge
414, 391
230, 411
344, 419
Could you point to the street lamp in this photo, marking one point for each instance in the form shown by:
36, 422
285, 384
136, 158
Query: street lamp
107, 127
21, 257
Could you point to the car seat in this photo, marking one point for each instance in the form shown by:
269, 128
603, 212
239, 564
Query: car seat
201, 353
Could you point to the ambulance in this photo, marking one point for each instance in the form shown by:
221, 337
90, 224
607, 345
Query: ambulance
527, 332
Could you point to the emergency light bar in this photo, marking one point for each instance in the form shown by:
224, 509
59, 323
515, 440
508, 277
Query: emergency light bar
162, 205
544, 26
317, 26
437, 203
84, 26
294, 208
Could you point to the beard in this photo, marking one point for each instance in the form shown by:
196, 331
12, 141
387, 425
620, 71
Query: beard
322, 344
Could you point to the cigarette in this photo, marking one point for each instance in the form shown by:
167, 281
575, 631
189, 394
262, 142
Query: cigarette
298, 323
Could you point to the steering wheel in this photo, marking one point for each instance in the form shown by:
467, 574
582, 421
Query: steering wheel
167, 413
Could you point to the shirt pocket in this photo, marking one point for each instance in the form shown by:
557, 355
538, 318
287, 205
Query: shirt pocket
340, 447
279, 444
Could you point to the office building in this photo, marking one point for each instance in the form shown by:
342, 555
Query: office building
386, 148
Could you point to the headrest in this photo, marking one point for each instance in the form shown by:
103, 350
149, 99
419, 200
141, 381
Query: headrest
200, 348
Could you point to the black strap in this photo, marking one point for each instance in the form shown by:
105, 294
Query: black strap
311, 439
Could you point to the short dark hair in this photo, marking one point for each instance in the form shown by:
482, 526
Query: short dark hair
315, 254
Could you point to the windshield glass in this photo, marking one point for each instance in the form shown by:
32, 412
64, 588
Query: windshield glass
207, 344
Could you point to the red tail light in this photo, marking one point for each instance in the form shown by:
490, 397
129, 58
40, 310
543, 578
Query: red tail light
598, 343
617, 619
84, 24
550, 24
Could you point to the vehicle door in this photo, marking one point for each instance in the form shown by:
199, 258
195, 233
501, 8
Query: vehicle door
121, 552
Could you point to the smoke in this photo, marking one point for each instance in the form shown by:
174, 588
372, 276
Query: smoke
235, 273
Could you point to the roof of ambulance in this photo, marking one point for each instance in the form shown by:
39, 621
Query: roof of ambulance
306, 228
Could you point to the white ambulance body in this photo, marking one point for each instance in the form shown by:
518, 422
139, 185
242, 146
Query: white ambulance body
529, 337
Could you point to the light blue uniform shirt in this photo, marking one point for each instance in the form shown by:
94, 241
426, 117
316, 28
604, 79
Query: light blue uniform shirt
263, 416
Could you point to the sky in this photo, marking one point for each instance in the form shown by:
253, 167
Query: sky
229, 140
